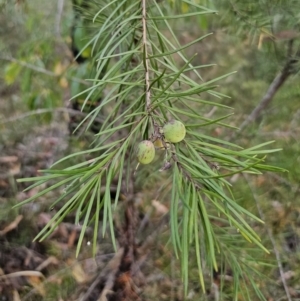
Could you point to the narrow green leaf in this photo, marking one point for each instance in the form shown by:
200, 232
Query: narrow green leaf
164, 17
163, 54
208, 231
99, 205
43, 192
86, 219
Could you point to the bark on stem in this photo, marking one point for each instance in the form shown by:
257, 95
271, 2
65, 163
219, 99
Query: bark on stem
274, 87
278, 81
147, 78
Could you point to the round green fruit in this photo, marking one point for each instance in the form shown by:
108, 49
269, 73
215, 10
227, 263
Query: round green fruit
174, 131
145, 152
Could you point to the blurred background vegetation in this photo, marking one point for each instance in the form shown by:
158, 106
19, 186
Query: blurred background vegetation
38, 77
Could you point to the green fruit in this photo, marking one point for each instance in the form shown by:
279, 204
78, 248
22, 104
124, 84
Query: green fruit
174, 131
145, 152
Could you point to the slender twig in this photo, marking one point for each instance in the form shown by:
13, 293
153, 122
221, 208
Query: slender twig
278, 81
22, 273
269, 231
147, 77
108, 273
274, 87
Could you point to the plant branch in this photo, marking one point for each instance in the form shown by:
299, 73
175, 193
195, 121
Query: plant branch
278, 81
147, 77
106, 277
273, 88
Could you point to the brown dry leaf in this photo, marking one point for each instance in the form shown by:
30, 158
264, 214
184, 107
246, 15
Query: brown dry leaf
104, 293
217, 131
51, 260
16, 296
90, 265
72, 238
3, 184
14, 224
43, 219
13, 164
159, 207
34, 191
9, 159
293, 292
28, 258
37, 283
14, 169
78, 273
60, 231
22, 273
260, 180
55, 279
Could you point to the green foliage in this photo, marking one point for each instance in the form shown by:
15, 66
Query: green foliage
143, 87
267, 27
32, 60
